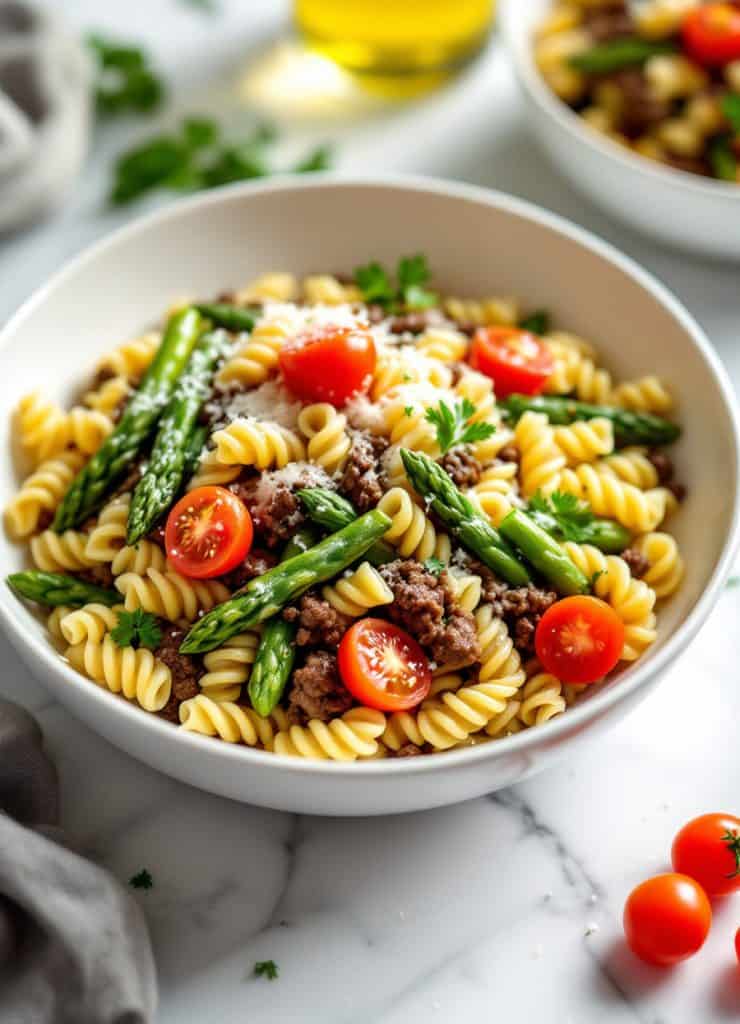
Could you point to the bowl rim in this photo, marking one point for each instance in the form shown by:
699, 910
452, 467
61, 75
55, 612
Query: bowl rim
26, 639
570, 122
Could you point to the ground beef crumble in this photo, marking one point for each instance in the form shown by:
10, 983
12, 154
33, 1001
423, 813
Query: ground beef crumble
521, 608
276, 520
462, 466
509, 453
425, 605
640, 108
361, 479
317, 691
186, 671
257, 563
609, 22
408, 750
665, 469
318, 621
100, 575
637, 562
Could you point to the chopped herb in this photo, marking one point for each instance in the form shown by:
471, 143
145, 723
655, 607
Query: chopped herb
409, 292
733, 581
572, 514
434, 565
453, 426
125, 80
195, 156
137, 629
141, 880
730, 104
722, 159
537, 322
266, 969
408, 410
732, 840
407, 378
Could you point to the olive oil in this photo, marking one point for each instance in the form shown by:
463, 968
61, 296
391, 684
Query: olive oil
402, 38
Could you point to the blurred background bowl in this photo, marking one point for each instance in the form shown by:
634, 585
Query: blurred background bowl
673, 206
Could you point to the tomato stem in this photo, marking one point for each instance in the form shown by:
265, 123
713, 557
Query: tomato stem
732, 841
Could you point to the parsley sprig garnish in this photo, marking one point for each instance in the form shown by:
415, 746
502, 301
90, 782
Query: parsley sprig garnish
537, 322
434, 565
571, 513
408, 291
266, 969
137, 629
196, 156
453, 426
732, 840
141, 880
125, 81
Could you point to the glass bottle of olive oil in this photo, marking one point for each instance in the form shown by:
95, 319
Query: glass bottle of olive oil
395, 37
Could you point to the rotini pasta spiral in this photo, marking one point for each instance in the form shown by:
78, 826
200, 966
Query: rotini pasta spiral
362, 589
88, 428
631, 465
541, 459
467, 588
328, 440
257, 359
54, 624
492, 505
484, 312
575, 370
326, 290
633, 600
411, 531
499, 661
541, 699
138, 558
275, 286
43, 428
133, 672
406, 423
211, 472
666, 566
108, 396
91, 622
41, 492
108, 535
585, 440
396, 367
354, 735
645, 394
170, 595
442, 343
231, 722
228, 667
479, 389
609, 496
249, 442
132, 358
60, 552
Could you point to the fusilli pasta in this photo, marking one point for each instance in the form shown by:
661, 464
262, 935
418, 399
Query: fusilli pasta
328, 440
355, 593
41, 492
354, 735
249, 442
231, 722
134, 673
228, 667
170, 595
410, 530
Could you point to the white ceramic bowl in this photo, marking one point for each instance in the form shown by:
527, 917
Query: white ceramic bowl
477, 242
676, 207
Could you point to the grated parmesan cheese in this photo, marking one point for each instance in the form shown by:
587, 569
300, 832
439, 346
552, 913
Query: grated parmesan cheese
270, 401
364, 414
295, 474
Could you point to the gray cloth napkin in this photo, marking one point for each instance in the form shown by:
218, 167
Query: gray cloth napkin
74, 947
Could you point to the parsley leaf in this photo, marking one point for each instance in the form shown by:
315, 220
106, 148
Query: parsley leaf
408, 410
125, 81
136, 629
453, 427
571, 514
319, 159
408, 292
730, 104
141, 880
537, 322
266, 969
434, 565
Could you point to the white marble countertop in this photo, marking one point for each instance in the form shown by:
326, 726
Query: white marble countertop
506, 908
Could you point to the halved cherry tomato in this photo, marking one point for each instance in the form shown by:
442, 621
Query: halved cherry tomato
711, 33
382, 666
208, 532
579, 639
328, 364
518, 362
666, 919
708, 849
737, 945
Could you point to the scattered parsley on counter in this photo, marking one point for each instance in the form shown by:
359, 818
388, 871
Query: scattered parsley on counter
196, 156
137, 629
125, 81
453, 426
408, 291
141, 880
266, 969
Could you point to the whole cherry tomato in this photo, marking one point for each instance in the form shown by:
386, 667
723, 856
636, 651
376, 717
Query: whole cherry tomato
666, 919
708, 849
711, 33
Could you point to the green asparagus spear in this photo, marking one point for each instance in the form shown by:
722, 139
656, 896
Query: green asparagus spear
166, 469
194, 451
233, 318
605, 534
544, 553
618, 54
629, 427
54, 588
90, 487
333, 512
264, 596
276, 652
431, 482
